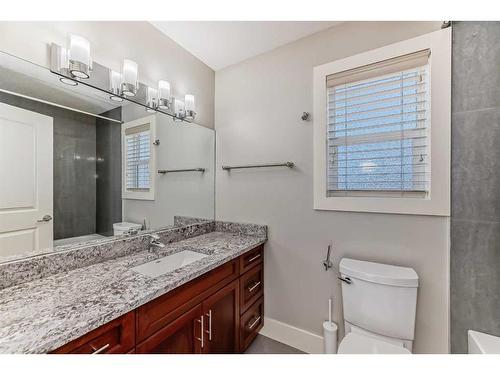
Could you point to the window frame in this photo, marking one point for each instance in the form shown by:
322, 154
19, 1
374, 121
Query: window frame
437, 201
140, 194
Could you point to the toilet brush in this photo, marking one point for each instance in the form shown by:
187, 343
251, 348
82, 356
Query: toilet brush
330, 332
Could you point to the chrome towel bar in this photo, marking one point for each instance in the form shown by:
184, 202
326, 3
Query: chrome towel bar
288, 164
164, 171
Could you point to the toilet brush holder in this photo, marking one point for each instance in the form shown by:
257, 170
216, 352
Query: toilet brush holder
330, 330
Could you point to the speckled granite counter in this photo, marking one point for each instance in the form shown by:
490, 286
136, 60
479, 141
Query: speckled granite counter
43, 314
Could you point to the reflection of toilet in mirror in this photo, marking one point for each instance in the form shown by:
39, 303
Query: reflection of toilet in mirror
379, 303
125, 228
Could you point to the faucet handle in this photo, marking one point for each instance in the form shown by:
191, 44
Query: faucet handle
154, 236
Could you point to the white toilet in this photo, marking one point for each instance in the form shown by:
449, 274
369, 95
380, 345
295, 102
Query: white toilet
379, 303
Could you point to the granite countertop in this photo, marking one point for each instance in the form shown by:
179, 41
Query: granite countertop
44, 314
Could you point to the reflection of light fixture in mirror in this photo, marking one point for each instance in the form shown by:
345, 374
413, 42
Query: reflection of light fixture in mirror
68, 81
190, 109
164, 100
151, 98
129, 78
179, 112
79, 56
115, 81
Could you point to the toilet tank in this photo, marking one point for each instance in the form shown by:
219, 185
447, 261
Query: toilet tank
380, 298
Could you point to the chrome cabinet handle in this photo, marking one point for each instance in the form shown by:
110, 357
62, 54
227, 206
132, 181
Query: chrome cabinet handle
251, 325
346, 280
254, 258
255, 285
100, 350
209, 325
45, 218
201, 331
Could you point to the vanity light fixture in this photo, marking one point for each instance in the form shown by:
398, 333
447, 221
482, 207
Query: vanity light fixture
151, 100
129, 78
115, 81
189, 111
179, 111
68, 81
164, 99
80, 62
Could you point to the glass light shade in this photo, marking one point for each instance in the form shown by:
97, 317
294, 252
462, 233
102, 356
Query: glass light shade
79, 56
129, 77
151, 100
189, 100
115, 81
179, 108
164, 99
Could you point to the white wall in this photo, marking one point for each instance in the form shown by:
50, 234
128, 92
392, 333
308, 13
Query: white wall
257, 111
182, 145
158, 56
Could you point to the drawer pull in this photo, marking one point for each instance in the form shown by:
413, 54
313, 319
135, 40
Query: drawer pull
201, 331
254, 258
100, 350
255, 285
251, 325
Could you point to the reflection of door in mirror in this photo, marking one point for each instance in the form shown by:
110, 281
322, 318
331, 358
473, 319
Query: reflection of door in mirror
26, 210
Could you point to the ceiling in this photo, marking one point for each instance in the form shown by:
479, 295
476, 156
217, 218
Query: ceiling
222, 43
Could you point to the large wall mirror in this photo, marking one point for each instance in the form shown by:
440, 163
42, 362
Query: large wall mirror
77, 166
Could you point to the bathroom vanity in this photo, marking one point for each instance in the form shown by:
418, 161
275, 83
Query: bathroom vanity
212, 305
218, 312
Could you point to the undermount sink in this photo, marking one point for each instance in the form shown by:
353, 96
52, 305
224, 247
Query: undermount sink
169, 263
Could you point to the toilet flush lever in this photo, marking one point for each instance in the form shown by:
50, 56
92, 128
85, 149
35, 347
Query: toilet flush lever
327, 263
346, 280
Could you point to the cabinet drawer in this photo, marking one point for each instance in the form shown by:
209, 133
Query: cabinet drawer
115, 337
251, 258
251, 287
158, 313
250, 323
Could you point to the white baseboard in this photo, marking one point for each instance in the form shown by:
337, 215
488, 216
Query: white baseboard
298, 338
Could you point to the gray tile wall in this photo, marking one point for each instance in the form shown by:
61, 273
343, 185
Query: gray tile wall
475, 221
74, 167
109, 172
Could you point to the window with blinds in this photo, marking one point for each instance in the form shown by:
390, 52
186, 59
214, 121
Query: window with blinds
137, 160
377, 129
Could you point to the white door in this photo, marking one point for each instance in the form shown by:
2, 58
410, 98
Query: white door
26, 142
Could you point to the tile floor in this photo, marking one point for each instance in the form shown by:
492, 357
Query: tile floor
265, 345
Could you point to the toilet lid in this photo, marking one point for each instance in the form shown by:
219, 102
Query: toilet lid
355, 343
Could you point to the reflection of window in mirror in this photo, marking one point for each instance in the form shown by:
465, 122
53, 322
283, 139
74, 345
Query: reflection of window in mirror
139, 162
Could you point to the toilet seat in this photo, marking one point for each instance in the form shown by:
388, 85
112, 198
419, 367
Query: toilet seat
355, 343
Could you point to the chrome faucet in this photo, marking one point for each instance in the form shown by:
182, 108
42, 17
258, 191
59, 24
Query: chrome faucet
154, 242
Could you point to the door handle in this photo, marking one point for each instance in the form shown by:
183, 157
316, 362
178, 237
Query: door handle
209, 325
45, 218
202, 333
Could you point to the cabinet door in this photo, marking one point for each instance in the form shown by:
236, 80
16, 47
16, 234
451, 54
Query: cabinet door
221, 312
182, 336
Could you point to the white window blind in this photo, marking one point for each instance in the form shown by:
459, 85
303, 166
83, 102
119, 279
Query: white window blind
378, 126
138, 154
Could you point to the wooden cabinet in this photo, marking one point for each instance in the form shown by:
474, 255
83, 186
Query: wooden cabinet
115, 337
221, 320
250, 324
251, 287
219, 312
181, 336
